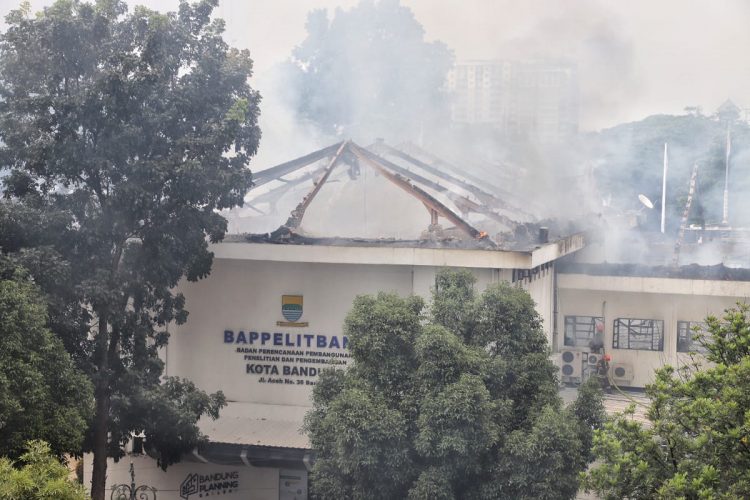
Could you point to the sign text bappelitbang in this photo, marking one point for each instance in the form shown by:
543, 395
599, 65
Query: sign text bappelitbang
275, 356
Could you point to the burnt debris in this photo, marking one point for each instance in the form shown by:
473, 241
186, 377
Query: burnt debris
460, 213
718, 272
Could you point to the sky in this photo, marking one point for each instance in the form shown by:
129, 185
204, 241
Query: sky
634, 57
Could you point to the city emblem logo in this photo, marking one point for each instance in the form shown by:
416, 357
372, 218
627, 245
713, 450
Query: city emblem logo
291, 309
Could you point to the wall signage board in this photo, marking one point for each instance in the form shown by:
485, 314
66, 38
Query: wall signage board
187, 480
287, 357
203, 485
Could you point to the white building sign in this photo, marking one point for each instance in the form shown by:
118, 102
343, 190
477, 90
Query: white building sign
284, 357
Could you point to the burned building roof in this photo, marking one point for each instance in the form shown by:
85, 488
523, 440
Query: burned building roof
346, 194
718, 272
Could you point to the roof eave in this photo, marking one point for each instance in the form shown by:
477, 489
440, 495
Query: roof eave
399, 255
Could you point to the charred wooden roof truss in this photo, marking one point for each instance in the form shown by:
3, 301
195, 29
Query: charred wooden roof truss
410, 174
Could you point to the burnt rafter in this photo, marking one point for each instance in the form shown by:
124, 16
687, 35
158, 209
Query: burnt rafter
299, 212
277, 192
467, 205
412, 149
475, 190
277, 172
347, 152
473, 186
387, 169
460, 200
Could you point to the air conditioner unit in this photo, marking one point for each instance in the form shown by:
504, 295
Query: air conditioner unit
571, 365
593, 358
622, 373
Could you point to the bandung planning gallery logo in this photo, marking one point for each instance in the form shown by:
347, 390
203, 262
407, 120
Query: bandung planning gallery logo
291, 309
189, 486
206, 485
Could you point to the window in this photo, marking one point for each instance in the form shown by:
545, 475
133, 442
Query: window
641, 334
580, 330
687, 332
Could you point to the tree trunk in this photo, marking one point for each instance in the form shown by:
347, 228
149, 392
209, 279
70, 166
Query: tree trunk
101, 418
99, 472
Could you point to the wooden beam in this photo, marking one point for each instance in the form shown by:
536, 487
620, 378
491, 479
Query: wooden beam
296, 216
379, 164
273, 173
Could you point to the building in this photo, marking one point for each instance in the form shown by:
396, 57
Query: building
270, 315
480, 91
645, 310
543, 102
532, 101
645, 321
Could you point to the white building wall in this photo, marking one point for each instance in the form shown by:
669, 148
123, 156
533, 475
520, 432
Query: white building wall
226, 482
670, 300
245, 295
541, 288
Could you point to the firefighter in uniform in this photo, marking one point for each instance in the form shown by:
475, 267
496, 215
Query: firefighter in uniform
602, 373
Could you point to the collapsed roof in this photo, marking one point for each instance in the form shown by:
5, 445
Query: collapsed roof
377, 195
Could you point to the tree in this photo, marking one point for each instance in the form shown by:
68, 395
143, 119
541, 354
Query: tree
38, 476
42, 394
131, 130
463, 405
697, 441
28, 236
368, 72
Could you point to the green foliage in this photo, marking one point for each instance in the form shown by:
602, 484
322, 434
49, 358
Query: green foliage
541, 463
452, 302
368, 72
589, 413
124, 133
42, 394
167, 414
697, 443
458, 403
37, 476
28, 236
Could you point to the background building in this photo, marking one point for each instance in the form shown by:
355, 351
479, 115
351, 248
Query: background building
479, 92
534, 100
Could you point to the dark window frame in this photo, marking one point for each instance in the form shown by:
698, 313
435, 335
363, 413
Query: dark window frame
580, 324
638, 334
685, 336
